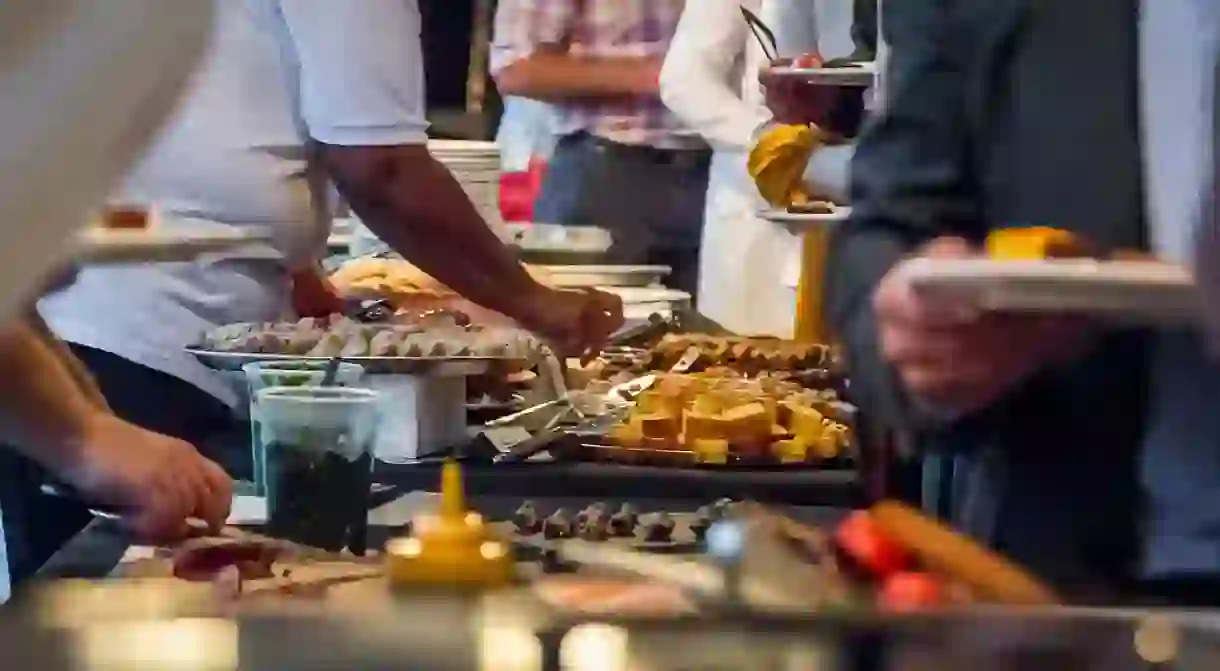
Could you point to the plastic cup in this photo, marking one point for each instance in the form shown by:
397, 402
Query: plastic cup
318, 463
260, 375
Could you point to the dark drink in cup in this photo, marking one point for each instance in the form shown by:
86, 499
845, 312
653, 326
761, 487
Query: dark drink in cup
318, 463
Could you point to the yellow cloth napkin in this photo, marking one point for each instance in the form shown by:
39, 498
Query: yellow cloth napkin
778, 160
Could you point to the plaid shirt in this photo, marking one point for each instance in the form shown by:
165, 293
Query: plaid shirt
593, 28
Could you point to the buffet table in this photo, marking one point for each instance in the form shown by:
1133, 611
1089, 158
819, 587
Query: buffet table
99, 548
803, 487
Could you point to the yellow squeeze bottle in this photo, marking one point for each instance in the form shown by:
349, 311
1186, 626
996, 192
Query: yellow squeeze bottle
451, 549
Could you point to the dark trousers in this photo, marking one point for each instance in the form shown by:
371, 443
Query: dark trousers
36, 526
651, 200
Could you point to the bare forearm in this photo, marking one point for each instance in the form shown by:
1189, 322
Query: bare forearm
563, 77
44, 410
412, 203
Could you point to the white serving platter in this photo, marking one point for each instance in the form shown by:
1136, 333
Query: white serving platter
556, 238
639, 303
862, 74
98, 246
782, 216
604, 276
462, 366
1136, 291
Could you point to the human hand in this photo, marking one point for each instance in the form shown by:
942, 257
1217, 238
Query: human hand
157, 482
575, 322
313, 294
955, 358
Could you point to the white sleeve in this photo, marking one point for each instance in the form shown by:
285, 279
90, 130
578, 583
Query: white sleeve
697, 80
827, 172
361, 70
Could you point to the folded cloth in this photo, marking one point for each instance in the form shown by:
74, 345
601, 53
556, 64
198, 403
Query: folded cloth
778, 160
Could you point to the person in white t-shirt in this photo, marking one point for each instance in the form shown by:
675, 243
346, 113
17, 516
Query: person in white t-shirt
291, 95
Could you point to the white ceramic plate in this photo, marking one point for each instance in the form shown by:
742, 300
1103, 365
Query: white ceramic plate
782, 216
105, 246
851, 75
1142, 292
604, 276
555, 238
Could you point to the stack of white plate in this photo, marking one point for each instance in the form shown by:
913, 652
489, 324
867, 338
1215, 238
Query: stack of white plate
476, 165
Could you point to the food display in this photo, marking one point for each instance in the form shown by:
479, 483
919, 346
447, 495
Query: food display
601, 595
897, 559
745, 401
121, 217
1034, 243
371, 277
651, 531
812, 207
707, 419
340, 336
889, 557
808, 60
1037, 243
241, 567
723, 355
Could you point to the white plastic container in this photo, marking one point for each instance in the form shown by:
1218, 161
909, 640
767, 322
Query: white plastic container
418, 416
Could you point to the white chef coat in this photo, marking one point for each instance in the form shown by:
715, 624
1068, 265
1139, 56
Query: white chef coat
83, 85
276, 73
710, 80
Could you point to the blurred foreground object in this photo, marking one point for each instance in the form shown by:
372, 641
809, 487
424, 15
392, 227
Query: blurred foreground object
82, 88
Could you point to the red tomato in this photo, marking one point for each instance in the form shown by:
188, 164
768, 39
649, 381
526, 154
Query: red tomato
860, 539
911, 592
807, 61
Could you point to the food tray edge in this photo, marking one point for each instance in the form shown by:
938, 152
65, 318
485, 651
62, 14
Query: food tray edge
436, 366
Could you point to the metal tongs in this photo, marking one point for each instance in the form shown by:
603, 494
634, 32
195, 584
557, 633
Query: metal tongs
552, 432
766, 38
624, 394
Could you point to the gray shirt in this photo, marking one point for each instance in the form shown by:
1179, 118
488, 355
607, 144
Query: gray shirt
1181, 458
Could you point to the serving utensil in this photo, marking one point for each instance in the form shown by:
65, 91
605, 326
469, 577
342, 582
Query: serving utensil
626, 391
766, 38
331, 371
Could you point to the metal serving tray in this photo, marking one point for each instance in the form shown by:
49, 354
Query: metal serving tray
596, 448
375, 365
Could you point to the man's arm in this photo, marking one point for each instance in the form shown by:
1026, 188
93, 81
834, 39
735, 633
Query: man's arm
45, 412
362, 84
413, 203
911, 182
530, 57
